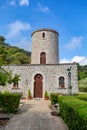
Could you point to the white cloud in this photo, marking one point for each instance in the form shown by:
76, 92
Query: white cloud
12, 3
23, 2
78, 59
43, 9
24, 43
74, 43
64, 60
16, 28
83, 62
19, 2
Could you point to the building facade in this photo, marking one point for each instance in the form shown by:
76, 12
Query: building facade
45, 73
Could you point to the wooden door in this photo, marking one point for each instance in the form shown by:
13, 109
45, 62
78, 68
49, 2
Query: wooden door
38, 86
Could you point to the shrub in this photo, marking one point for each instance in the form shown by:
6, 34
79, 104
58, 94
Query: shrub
82, 97
82, 89
9, 102
29, 93
46, 94
15, 80
0, 92
54, 98
74, 112
1, 100
6, 92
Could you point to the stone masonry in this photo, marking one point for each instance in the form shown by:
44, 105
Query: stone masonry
44, 40
48, 44
50, 73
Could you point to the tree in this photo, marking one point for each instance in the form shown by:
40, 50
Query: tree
20, 58
12, 54
82, 72
5, 77
2, 39
15, 80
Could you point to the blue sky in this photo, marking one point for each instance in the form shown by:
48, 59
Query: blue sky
18, 18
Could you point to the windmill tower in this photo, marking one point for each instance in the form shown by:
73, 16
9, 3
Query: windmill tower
45, 47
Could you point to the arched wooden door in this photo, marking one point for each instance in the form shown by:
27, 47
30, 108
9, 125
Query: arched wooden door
43, 58
38, 86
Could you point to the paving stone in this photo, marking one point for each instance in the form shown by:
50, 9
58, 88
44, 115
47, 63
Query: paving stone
37, 117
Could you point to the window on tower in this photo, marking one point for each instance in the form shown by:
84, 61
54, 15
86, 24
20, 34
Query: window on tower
43, 58
43, 35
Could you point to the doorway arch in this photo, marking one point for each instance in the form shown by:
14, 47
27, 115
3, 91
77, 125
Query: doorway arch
38, 86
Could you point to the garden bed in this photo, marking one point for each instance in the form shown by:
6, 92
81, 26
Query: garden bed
3, 121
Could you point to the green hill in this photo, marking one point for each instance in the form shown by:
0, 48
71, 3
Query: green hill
12, 54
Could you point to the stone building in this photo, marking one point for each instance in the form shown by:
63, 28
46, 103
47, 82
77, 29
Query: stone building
45, 73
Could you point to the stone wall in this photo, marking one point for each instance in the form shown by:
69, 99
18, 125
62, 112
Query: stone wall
48, 44
50, 73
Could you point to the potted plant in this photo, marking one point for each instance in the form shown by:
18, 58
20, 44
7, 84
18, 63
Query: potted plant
46, 96
29, 95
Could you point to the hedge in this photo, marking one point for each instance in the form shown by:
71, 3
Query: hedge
74, 112
54, 98
82, 97
9, 102
82, 89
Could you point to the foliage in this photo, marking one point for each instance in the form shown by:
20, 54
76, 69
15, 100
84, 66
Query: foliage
82, 72
82, 97
74, 112
82, 85
12, 55
82, 77
6, 92
9, 102
29, 93
20, 58
16, 78
46, 94
5, 77
54, 98
82, 89
2, 39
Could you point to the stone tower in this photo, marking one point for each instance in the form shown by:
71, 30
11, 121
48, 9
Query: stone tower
45, 47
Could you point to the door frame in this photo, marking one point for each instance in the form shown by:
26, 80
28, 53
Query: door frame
34, 85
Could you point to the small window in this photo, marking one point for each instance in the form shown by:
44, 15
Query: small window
61, 82
43, 35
